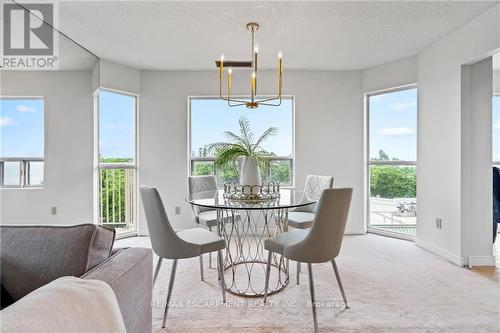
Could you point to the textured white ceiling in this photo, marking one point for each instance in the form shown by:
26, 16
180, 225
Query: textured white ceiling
312, 35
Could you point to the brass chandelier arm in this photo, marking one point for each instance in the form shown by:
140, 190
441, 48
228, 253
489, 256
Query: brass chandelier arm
268, 99
229, 99
270, 104
233, 105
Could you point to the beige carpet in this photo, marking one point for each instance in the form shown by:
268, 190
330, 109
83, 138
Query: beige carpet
392, 286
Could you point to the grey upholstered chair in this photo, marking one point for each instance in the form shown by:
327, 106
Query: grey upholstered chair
303, 217
319, 244
203, 215
169, 244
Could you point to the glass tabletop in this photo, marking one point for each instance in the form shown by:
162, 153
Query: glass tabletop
215, 199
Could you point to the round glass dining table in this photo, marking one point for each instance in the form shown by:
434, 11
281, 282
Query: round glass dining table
245, 225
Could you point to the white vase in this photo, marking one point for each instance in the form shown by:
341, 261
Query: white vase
250, 173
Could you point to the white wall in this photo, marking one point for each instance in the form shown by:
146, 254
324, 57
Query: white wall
328, 132
68, 149
439, 123
496, 81
395, 74
119, 77
476, 185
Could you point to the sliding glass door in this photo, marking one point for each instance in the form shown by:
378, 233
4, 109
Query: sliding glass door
392, 159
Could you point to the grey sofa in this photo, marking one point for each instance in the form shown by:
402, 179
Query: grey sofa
32, 256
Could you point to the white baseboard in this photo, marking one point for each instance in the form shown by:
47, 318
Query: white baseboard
440, 252
355, 232
475, 261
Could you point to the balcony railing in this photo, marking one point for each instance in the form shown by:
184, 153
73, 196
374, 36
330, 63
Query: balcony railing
117, 183
392, 201
280, 169
18, 172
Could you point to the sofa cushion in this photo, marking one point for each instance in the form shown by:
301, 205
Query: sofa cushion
67, 304
33, 256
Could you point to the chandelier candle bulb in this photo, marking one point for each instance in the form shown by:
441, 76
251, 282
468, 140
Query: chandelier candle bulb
229, 79
280, 71
280, 63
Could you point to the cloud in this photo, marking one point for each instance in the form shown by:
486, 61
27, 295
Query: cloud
496, 124
397, 131
111, 127
403, 106
377, 98
6, 121
25, 108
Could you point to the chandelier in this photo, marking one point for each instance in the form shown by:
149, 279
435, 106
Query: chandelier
250, 102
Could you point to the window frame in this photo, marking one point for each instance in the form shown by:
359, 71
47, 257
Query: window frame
368, 162
191, 159
98, 166
24, 162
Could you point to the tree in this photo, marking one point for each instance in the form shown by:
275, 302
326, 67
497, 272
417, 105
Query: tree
280, 171
389, 181
382, 155
203, 168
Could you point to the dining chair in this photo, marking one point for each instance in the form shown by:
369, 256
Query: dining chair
303, 217
320, 244
168, 244
203, 215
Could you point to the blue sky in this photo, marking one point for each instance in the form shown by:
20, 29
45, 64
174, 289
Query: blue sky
393, 124
210, 118
116, 125
22, 128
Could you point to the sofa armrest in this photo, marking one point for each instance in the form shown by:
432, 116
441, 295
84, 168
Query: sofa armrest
129, 273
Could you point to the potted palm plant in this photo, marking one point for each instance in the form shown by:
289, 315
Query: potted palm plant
245, 150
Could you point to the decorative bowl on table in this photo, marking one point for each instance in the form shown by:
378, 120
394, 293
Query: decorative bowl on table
252, 193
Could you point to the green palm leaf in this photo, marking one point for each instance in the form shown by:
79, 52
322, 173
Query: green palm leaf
227, 153
246, 132
235, 138
267, 133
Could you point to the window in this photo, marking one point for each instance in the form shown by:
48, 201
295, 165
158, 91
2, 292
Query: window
210, 118
392, 118
117, 160
21, 142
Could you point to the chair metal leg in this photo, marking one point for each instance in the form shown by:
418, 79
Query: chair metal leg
337, 275
298, 272
170, 287
268, 272
210, 254
313, 304
220, 268
201, 267
157, 270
